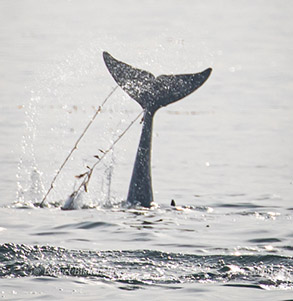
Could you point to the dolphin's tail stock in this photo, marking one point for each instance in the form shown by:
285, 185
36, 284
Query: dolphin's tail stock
151, 93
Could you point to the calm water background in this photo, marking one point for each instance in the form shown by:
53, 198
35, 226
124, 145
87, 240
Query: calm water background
226, 151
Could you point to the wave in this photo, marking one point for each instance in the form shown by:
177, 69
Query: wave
146, 267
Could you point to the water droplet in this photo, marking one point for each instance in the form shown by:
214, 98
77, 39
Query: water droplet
269, 248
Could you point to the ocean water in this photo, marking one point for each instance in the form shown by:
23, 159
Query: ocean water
224, 153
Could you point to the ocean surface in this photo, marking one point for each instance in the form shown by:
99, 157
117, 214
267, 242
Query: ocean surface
224, 154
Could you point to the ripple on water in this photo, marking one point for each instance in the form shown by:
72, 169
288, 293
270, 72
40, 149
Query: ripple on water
265, 240
146, 267
85, 225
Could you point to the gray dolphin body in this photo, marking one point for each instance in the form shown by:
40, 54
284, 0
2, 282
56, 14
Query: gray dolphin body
151, 93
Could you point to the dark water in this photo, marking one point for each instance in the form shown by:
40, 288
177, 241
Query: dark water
224, 154
139, 268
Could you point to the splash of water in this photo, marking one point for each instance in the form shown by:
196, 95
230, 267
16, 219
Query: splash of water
61, 104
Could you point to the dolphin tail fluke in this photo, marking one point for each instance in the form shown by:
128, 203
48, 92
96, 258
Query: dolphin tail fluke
153, 92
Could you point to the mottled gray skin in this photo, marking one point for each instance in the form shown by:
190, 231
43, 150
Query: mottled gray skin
140, 189
151, 93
